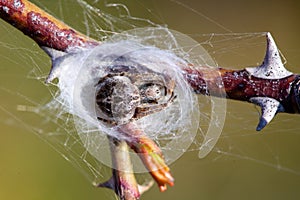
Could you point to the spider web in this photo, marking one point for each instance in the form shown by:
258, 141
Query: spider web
272, 155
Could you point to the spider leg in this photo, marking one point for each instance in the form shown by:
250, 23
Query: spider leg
144, 111
113, 123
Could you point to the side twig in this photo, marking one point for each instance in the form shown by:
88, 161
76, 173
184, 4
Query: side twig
122, 181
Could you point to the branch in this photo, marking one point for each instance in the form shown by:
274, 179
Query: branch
43, 28
269, 85
122, 181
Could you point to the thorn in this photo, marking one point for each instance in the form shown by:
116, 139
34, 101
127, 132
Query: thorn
110, 184
272, 66
145, 188
261, 124
269, 108
56, 58
53, 53
52, 75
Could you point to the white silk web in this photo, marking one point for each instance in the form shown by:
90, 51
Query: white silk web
223, 144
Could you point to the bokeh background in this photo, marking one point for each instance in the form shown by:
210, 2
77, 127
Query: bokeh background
252, 165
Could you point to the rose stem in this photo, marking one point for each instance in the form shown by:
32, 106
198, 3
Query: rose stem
237, 83
43, 28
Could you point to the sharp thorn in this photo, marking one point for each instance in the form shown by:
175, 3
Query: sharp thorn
53, 53
145, 188
269, 108
261, 124
55, 56
110, 184
272, 66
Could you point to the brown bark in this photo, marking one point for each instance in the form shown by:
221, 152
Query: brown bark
43, 28
241, 85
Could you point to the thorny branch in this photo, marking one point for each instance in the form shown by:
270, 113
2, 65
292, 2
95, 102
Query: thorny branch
269, 85
43, 28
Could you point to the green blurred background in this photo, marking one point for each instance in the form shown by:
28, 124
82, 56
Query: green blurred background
250, 165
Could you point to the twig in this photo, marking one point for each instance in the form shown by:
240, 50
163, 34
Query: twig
43, 28
122, 181
269, 85
149, 153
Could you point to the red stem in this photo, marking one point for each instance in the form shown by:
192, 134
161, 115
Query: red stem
240, 85
43, 28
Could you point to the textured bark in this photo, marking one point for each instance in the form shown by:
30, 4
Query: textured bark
241, 85
43, 28
122, 181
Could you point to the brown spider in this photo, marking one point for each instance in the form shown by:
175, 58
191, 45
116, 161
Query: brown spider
129, 93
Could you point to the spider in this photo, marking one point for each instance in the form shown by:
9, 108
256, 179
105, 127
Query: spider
128, 93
